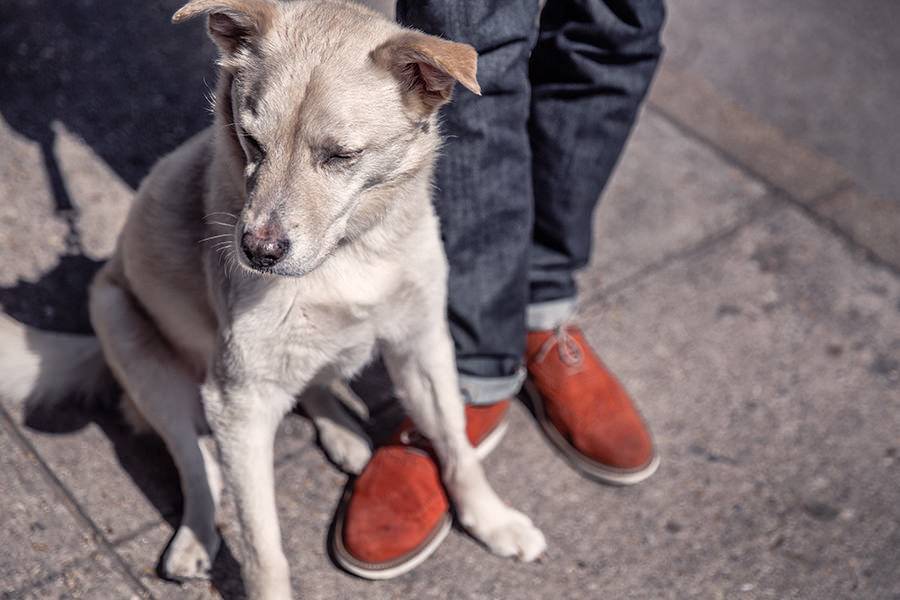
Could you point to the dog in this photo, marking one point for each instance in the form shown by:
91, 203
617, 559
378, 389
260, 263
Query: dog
268, 259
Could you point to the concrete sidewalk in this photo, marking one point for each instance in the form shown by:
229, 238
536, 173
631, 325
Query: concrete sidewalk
744, 289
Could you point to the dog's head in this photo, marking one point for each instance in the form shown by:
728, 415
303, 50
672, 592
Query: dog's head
329, 110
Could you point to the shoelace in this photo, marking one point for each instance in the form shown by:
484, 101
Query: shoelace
568, 349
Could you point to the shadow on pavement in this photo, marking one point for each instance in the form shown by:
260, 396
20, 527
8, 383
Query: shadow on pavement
56, 302
121, 77
132, 86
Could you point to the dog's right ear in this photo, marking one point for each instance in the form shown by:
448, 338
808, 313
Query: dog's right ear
232, 23
427, 67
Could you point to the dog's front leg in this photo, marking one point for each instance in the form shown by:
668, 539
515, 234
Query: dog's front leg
423, 370
244, 417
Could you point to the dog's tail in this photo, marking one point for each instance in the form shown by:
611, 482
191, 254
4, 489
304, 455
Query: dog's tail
40, 369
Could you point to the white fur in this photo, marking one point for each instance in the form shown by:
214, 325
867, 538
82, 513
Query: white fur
39, 367
203, 345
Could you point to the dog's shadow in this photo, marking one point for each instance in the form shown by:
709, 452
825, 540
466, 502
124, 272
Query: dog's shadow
117, 75
132, 87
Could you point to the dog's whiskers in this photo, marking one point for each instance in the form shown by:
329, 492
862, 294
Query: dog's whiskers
236, 127
225, 265
233, 263
210, 97
213, 237
220, 214
226, 257
221, 255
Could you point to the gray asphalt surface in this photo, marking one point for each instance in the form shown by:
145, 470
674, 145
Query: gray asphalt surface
761, 342
827, 72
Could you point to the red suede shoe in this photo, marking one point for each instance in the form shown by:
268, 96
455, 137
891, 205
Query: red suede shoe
397, 512
584, 411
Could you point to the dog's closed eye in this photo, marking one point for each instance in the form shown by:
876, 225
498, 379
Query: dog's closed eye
252, 147
339, 157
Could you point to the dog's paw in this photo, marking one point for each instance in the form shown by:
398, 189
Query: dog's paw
511, 534
187, 557
347, 449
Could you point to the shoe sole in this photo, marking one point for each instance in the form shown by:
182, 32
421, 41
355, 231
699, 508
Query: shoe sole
583, 465
404, 564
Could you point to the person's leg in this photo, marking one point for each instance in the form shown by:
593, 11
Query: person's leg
483, 188
590, 70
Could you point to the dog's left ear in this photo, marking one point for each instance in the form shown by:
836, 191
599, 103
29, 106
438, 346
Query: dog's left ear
232, 23
427, 67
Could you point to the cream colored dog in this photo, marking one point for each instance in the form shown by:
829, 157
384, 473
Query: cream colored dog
270, 257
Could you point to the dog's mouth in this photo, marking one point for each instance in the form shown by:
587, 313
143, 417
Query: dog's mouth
295, 262
286, 269
272, 271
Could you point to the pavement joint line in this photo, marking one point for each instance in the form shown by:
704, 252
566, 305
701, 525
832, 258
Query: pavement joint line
748, 140
72, 505
829, 196
717, 150
722, 152
808, 207
833, 228
713, 239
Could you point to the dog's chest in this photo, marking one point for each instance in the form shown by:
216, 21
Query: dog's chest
292, 332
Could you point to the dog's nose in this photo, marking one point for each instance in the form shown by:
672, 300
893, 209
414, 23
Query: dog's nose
264, 251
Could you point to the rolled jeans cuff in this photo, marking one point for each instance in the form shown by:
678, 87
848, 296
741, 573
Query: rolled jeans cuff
479, 391
542, 316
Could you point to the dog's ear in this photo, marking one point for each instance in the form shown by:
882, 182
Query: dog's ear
232, 23
428, 66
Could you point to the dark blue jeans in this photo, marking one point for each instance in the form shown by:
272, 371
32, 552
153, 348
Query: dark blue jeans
523, 166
